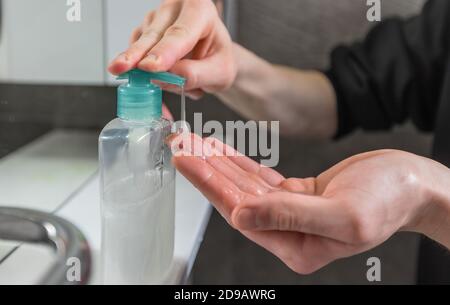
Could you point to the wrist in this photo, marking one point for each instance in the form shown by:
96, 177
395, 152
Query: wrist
433, 217
250, 88
252, 70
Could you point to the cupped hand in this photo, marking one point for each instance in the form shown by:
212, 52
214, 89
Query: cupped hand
308, 223
186, 37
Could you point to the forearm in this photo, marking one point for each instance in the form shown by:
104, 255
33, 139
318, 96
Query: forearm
303, 101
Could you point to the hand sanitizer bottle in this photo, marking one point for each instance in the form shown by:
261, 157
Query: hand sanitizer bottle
137, 184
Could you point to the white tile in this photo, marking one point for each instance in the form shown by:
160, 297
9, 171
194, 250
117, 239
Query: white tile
52, 171
26, 265
192, 215
5, 248
43, 174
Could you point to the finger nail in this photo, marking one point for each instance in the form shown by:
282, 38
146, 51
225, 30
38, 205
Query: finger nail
246, 219
151, 59
193, 97
176, 147
123, 57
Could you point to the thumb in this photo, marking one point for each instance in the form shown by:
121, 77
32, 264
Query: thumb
286, 212
166, 113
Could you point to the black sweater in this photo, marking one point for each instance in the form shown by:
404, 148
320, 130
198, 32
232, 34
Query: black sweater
400, 71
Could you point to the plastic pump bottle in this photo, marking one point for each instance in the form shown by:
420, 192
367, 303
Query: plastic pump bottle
137, 184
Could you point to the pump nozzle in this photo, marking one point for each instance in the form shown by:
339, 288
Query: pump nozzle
137, 76
139, 99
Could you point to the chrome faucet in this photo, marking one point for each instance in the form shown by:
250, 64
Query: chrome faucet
30, 226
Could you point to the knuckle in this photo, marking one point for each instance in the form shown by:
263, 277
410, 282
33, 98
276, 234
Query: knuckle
361, 230
232, 221
165, 5
137, 30
201, 3
229, 80
229, 75
152, 33
211, 8
303, 269
135, 35
149, 17
284, 220
178, 30
299, 264
168, 4
192, 79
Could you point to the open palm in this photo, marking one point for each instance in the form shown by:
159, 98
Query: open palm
307, 223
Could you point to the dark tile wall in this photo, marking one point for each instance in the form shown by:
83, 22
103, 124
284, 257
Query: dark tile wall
60, 106
28, 111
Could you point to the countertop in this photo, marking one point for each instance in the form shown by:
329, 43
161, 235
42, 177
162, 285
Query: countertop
57, 173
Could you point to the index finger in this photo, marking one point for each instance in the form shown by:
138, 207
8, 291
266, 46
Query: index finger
193, 24
223, 193
269, 175
150, 34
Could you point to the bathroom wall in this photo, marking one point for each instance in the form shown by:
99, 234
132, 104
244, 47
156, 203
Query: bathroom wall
27, 111
297, 33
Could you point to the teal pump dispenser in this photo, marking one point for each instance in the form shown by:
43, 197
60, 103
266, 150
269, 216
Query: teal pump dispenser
139, 99
137, 184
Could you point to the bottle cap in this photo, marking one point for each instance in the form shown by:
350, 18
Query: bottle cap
140, 99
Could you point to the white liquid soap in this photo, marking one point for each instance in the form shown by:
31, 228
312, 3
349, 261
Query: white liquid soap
137, 185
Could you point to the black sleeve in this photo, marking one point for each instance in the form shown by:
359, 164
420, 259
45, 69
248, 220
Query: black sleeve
396, 73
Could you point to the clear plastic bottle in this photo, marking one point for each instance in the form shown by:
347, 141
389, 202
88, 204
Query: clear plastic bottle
137, 185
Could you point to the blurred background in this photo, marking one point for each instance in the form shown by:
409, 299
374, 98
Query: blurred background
297, 33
